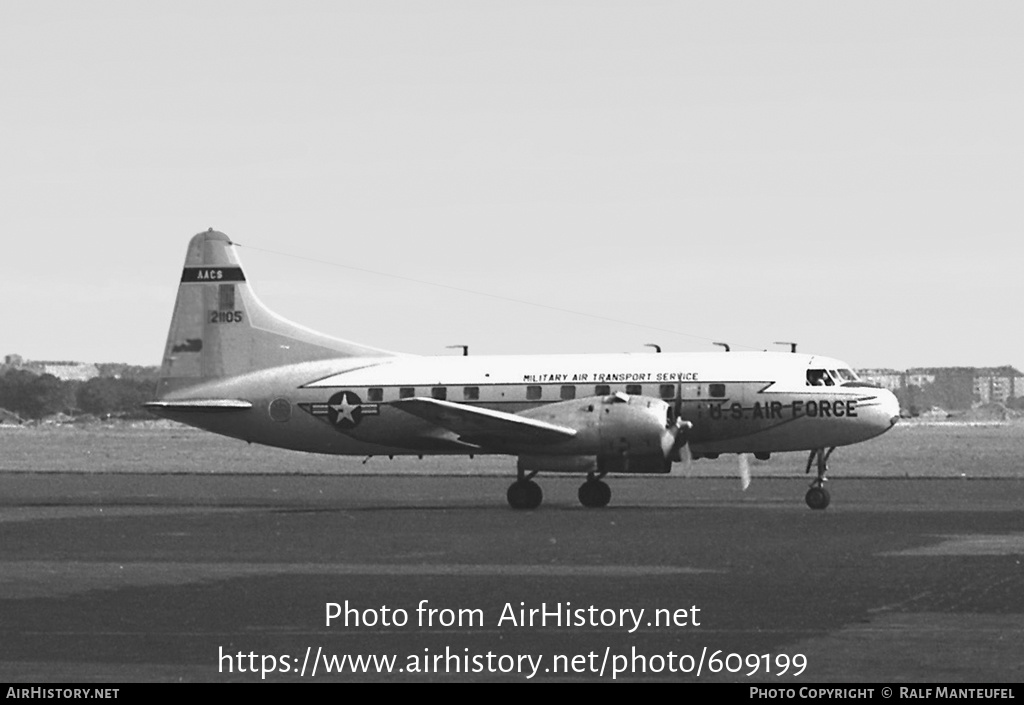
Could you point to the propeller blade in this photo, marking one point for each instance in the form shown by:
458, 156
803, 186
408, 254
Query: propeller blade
674, 439
681, 454
744, 471
674, 444
687, 460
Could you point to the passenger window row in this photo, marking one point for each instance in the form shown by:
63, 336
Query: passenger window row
535, 392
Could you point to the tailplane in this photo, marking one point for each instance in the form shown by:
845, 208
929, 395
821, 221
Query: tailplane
220, 329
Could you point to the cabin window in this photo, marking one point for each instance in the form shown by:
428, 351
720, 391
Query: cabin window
471, 393
533, 392
439, 392
568, 391
375, 394
602, 390
667, 391
716, 390
406, 392
634, 389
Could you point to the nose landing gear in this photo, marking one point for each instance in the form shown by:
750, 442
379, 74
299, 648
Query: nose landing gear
817, 496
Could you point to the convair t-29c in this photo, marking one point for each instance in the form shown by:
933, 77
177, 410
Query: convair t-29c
233, 367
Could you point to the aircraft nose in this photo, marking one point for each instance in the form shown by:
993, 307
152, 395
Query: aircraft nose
888, 409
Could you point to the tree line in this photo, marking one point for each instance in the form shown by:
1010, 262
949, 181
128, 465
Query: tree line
35, 396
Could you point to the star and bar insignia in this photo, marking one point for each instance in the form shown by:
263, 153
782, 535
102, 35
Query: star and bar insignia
343, 410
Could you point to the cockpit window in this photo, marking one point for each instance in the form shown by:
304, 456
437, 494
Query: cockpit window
819, 378
848, 375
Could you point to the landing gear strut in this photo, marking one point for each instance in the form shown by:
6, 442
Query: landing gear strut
594, 492
524, 493
817, 496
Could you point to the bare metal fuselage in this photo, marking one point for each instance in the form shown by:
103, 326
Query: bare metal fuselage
736, 402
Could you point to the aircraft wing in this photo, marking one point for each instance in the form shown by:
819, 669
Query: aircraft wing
484, 427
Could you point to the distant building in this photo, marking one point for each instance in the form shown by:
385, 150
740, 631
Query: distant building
919, 378
949, 387
61, 369
80, 371
883, 377
998, 384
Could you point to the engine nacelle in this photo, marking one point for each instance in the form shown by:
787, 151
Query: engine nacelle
614, 426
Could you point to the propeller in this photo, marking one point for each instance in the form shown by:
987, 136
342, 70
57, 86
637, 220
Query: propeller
674, 439
744, 471
687, 460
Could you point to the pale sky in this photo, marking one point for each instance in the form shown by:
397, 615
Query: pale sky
848, 176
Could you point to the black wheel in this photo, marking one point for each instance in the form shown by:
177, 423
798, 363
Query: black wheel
534, 495
587, 494
594, 493
817, 498
524, 494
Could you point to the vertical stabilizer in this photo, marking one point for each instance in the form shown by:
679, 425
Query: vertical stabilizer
220, 329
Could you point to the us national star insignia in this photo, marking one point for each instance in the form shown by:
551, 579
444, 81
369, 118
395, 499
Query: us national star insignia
343, 410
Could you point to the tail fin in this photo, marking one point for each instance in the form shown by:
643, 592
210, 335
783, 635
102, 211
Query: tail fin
221, 329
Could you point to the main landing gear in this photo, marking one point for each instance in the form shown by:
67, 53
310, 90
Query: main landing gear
817, 496
594, 492
524, 493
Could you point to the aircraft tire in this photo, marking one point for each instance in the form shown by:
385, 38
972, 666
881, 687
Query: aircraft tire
594, 493
817, 498
525, 494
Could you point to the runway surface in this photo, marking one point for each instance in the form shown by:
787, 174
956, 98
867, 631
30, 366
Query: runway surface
128, 577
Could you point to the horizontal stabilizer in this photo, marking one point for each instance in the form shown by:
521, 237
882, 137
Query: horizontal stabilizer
199, 405
484, 426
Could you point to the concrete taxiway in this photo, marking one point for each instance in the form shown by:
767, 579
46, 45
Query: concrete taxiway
119, 578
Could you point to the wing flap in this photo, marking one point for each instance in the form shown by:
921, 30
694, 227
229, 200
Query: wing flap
485, 427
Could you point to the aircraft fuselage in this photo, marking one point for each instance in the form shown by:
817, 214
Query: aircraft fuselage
736, 402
